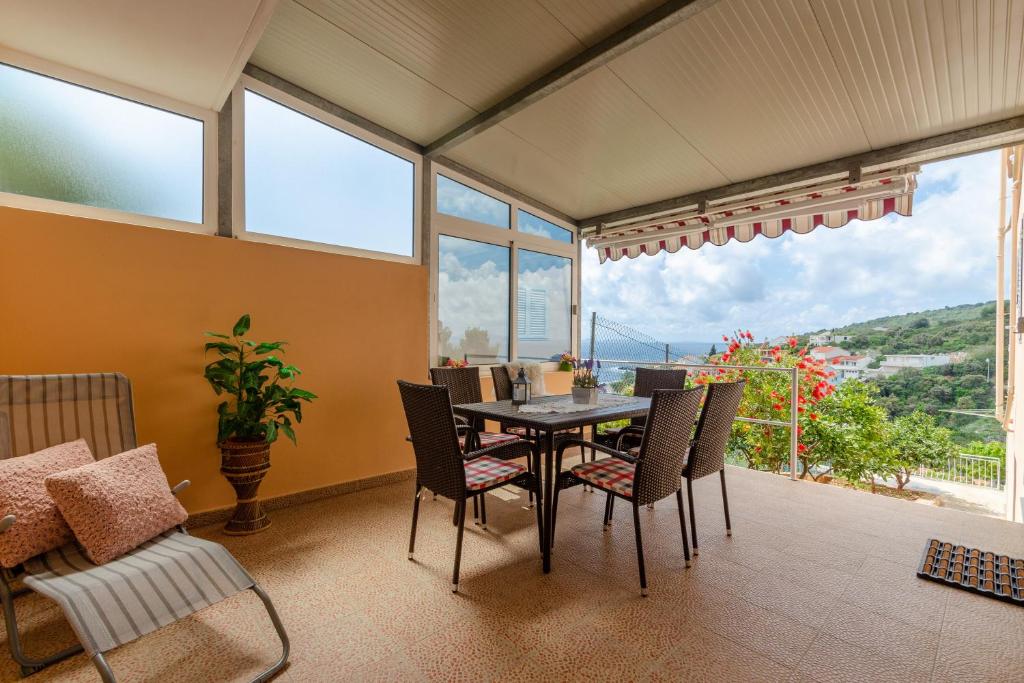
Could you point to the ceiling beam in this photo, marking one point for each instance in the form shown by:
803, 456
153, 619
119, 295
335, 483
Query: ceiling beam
622, 41
945, 146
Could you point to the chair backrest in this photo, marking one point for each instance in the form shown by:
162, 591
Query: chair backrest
714, 427
648, 380
665, 443
463, 383
502, 383
38, 411
439, 465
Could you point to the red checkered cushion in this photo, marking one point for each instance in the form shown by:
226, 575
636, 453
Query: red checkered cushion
489, 439
610, 474
485, 471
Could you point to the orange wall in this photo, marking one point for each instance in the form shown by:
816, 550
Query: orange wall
80, 295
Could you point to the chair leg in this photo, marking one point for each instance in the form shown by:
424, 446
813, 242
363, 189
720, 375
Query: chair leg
554, 513
100, 662
476, 508
639, 550
281, 634
682, 525
483, 511
610, 504
693, 518
460, 512
540, 515
28, 665
415, 517
725, 504
529, 469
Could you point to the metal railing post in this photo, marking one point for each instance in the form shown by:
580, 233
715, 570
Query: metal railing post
666, 354
794, 414
593, 332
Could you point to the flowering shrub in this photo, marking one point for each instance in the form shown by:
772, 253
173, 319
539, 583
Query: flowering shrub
768, 396
566, 362
455, 363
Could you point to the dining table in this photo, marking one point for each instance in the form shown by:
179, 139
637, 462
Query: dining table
550, 418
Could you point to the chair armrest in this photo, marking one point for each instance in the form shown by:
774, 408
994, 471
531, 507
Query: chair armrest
6, 522
510, 450
181, 486
583, 443
634, 431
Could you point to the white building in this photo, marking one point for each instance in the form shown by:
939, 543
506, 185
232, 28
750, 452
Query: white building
851, 366
894, 363
826, 338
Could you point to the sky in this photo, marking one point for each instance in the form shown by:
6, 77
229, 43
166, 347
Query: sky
943, 255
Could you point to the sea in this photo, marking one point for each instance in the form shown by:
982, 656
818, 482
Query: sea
628, 350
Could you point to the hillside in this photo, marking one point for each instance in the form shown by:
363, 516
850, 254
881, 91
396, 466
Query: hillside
970, 327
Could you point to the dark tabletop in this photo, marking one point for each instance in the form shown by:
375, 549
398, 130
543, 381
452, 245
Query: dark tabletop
508, 414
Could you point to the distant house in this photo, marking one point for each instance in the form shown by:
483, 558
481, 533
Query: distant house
852, 366
825, 338
827, 353
894, 363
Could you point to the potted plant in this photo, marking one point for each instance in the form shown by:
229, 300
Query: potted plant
584, 381
566, 362
261, 406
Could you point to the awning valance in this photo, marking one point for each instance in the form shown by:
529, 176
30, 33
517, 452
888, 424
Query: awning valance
832, 204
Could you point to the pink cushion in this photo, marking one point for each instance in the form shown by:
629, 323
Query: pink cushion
116, 504
39, 526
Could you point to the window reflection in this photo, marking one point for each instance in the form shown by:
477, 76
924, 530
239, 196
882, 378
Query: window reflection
534, 225
456, 199
544, 307
472, 301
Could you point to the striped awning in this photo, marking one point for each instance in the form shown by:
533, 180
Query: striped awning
800, 210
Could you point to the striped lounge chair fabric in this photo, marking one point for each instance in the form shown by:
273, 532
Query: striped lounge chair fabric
154, 585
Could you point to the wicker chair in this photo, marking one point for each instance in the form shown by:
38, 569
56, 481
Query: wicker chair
707, 453
38, 411
442, 467
503, 392
464, 386
650, 476
647, 381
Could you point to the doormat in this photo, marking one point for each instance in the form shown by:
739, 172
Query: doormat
978, 571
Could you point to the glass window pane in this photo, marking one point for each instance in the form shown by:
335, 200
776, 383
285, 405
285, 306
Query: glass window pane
534, 225
69, 143
308, 181
472, 301
455, 199
544, 306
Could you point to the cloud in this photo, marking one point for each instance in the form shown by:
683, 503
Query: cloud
943, 255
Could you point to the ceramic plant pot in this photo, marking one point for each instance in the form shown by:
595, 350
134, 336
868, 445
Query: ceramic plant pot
586, 395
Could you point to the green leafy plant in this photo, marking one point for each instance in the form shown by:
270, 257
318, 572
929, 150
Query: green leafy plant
263, 402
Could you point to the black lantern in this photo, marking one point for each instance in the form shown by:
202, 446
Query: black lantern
520, 389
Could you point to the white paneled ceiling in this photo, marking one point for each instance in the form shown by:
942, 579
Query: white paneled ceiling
741, 90
188, 50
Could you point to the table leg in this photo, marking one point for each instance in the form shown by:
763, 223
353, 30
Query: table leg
549, 456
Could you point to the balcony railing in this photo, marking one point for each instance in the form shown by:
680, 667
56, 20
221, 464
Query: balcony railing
974, 470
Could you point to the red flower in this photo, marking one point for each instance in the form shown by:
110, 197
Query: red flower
776, 406
724, 338
801, 448
792, 342
725, 357
813, 416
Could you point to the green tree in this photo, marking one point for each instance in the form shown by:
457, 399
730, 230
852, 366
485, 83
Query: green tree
917, 441
852, 433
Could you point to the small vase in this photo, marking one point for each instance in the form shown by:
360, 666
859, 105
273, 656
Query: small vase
244, 464
585, 395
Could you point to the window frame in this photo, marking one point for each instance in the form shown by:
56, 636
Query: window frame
129, 93
453, 226
238, 229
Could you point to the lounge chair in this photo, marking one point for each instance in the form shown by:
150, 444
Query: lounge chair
164, 580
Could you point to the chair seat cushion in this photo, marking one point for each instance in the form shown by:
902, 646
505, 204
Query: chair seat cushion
117, 503
485, 471
38, 526
161, 581
610, 474
489, 439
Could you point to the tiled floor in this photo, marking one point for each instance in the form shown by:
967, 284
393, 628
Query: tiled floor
817, 583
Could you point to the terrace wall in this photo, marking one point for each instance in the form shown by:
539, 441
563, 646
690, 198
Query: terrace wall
79, 295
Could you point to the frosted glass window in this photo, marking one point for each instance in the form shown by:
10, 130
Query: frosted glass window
309, 181
72, 144
544, 306
472, 301
533, 225
456, 199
